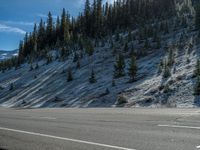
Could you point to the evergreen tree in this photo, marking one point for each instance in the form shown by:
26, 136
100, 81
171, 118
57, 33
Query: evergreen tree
126, 47
107, 91
58, 32
130, 37
197, 68
94, 19
132, 51
78, 65
119, 66
37, 66
41, 35
146, 44
166, 71
21, 54
197, 16
197, 86
158, 42
171, 57
49, 29
117, 36
69, 75
49, 59
166, 28
113, 83
11, 86
99, 18
31, 67
89, 48
87, 13
64, 28
132, 71
35, 32
76, 57
26, 46
92, 78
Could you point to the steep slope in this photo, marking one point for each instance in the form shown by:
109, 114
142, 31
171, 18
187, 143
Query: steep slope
47, 85
176, 91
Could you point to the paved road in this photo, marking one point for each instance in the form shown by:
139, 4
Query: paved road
100, 129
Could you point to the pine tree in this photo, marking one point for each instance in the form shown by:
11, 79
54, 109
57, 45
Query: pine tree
49, 59
146, 44
197, 16
11, 86
76, 57
119, 66
166, 71
37, 66
107, 91
89, 48
26, 51
197, 68
166, 28
92, 78
130, 36
113, 83
87, 13
69, 75
99, 20
197, 86
64, 28
132, 51
58, 33
78, 65
49, 29
158, 42
171, 57
31, 67
132, 70
117, 36
41, 35
21, 54
126, 47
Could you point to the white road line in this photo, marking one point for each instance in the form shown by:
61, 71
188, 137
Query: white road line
49, 118
177, 126
43, 117
66, 139
198, 147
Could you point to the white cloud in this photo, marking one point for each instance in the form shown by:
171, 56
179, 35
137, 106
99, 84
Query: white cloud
5, 28
22, 23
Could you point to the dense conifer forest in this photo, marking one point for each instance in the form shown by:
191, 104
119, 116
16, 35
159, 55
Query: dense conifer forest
94, 24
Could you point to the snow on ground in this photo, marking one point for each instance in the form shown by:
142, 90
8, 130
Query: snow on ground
48, 86
149, 92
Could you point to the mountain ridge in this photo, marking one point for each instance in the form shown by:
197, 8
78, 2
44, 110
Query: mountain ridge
6, 54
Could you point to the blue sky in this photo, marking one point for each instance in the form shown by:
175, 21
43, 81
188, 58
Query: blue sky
18, 16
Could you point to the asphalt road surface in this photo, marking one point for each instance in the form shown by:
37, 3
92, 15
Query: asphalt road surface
99, 129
